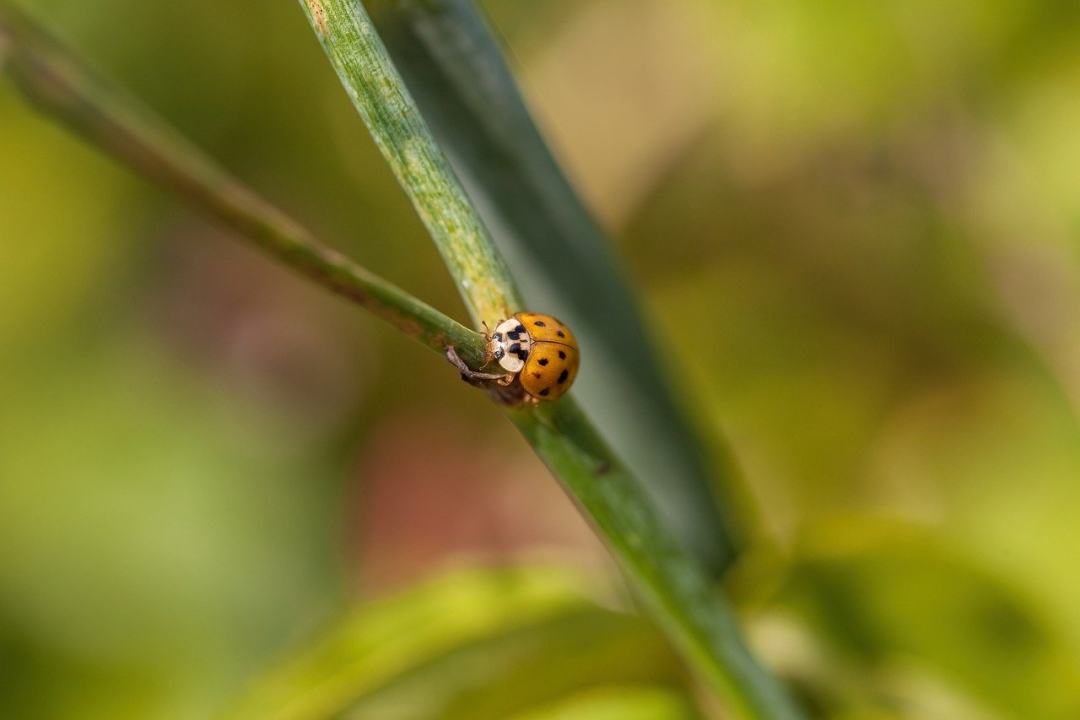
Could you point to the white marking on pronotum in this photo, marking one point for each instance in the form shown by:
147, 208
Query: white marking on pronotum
503, 342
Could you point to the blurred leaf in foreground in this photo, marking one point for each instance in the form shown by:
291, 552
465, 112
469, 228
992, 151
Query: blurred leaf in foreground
471, 645
619, 703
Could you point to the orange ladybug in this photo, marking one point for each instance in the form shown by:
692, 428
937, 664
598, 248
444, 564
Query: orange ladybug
540, 351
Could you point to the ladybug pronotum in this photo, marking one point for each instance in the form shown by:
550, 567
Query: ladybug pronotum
539, 350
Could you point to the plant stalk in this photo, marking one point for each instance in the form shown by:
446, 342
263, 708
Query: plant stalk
673, 585
62, 88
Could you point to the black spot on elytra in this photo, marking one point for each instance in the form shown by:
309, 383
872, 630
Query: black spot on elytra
563, 375
543, 361
536, 375
540, 323
560, 333
545, 392
562, 355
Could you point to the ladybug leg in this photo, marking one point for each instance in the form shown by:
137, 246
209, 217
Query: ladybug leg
479, 379
489, 353
500, 386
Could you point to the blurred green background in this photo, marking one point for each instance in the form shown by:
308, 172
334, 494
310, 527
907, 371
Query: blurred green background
855, 227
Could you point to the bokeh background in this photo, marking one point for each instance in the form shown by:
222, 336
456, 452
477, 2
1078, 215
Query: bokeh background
855, 228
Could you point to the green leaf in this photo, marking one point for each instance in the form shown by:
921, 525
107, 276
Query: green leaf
619, 703
455, 71
674, 586
481, 644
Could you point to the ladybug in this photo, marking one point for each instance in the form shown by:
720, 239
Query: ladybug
539, 350
538, 355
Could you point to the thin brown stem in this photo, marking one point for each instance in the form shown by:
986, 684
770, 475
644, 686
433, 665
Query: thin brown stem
62, 88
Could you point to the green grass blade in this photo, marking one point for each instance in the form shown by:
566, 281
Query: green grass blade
373, 85
670, 581
673, 584
455, 71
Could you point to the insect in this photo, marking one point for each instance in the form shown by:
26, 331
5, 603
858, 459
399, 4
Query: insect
538, 353
540, 350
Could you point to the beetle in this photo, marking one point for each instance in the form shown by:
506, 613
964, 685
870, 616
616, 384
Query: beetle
539, 354
540, 350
